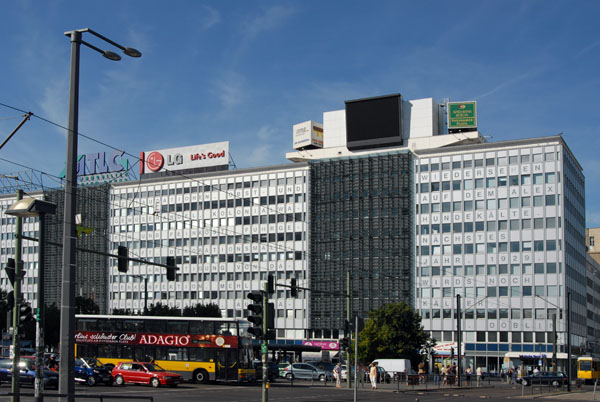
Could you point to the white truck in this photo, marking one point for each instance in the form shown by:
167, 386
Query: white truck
393, 366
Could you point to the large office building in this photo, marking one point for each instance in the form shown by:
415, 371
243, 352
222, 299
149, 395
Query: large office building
405, 198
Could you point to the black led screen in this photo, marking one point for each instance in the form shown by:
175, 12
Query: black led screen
374, 122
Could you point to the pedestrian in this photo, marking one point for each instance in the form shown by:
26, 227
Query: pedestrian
436, 374
52, 363
421, 373
337, 373
513, 376
468, 373
479, 372
373, 375
536, 370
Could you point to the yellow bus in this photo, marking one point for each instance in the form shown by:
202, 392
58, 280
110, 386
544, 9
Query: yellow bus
200, 349
588, 368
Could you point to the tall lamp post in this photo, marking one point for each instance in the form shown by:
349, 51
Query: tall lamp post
25, 208
67, 307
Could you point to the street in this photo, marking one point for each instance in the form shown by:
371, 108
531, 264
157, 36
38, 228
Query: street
303, 391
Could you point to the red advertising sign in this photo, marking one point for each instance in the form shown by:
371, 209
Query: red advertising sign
130, 338
324, 345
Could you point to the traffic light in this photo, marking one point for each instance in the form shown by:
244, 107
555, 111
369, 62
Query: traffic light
344, 343
270, 284
10, 300
171, 268
256, 314
10, 270
123, 259
25, 316
293, 288
452, 353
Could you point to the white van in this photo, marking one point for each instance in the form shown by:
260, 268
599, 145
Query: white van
394, 366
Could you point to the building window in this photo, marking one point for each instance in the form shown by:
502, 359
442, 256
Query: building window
592, 241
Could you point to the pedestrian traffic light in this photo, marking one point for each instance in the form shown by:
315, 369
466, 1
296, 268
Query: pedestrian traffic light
171, 268
123, 259
256, 314
293, 288
270, 284
10, 271
451, 353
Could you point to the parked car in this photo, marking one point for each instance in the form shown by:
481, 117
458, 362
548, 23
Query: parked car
306, 371
322, 365
272, 370
281, 367
144, 373
27, 373
90, 371
557, 379
345, 372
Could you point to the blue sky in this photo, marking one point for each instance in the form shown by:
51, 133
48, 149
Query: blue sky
246, 71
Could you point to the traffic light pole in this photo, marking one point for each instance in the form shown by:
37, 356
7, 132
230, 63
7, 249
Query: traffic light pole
39, 362
263, 348
15, 383
348, 311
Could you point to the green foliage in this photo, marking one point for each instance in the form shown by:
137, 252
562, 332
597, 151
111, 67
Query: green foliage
202, 310
4, 308
393, 331
163, 310
86, 305
122, 311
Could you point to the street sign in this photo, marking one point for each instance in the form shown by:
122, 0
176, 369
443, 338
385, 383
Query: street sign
263, 349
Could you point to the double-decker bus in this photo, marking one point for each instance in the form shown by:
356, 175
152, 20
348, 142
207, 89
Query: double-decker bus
200, 349
588, 368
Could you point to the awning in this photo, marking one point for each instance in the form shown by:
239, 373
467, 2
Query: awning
536, 355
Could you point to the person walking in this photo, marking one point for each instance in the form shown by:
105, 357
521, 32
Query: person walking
468, 373
436, 374
373, 375
479, 372
337, 373
513, 376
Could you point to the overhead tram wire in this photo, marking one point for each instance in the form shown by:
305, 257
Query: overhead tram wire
172, 172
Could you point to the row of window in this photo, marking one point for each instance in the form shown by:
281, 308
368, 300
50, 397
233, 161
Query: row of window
493, 247
491, 291
249, 257
490, 226
197, 295
493, 314
288, 181
500, 161
494, 336
489, 204
502, 269
214, 276
216, 240
490, 182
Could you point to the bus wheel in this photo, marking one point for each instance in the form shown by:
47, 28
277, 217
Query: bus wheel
201, 376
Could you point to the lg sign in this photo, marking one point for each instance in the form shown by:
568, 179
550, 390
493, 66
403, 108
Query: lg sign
185, 158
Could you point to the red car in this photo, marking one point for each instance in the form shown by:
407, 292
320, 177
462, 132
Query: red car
144, 373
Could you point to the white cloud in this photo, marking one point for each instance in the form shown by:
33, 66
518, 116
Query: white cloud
229, 89
270, 19
211, 17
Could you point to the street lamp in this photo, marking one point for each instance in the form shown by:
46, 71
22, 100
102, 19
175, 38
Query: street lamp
67, 307
30, 207
145, 279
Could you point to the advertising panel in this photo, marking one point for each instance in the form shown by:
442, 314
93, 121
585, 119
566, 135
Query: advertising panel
131, 338
324, 345
462, 115
309, 133
197, 156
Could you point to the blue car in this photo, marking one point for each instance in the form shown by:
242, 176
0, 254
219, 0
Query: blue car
27, 373
91, 372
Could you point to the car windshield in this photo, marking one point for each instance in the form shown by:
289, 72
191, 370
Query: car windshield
94, 363
153, 367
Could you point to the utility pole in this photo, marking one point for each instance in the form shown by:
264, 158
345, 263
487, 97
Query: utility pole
348, 314
458, 338
569, 341
15, 384
554, 351
264, 350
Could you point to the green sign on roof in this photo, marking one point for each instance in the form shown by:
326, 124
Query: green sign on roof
462, 115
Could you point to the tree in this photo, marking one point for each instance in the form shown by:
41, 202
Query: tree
393, 331
123, 311
86, 305
163, 310
202, 310
4, 309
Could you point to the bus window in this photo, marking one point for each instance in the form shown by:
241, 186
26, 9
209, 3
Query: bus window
88, 324
155, 326
108, 325
202, 354
177, 327
133, 325
227, 328
202, 327
177, 354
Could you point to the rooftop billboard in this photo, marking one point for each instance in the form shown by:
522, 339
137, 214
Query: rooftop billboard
196, 156
462, 115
